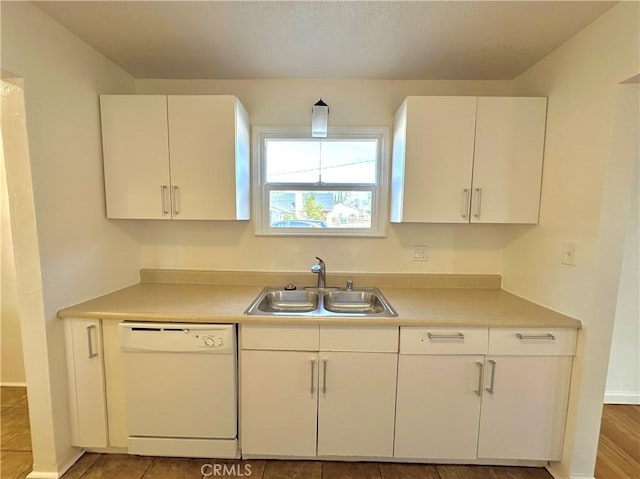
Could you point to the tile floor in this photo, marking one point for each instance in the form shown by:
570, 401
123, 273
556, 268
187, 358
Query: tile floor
15, 463
15, 437
102, 466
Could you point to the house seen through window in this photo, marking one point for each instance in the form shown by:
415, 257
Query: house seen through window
314, 186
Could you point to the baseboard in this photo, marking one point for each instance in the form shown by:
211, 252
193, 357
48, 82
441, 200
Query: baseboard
10, 384
60, 470
622, 397
563, 475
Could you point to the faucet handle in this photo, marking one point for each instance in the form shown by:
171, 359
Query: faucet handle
349, 285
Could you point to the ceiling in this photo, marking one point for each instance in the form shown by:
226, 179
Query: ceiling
451, 40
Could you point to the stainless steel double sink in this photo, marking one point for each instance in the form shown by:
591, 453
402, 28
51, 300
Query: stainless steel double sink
359, 302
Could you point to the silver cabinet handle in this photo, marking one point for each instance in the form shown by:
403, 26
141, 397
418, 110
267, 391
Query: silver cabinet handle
163, 197
313, 376
92, 353
524, 337
480, 371
324, 376
176, 210
445, 336
478, 202
493, 376
464, 209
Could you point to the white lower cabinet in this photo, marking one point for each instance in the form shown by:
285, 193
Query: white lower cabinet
85, 370
278, 402
438, 406
330, 391
317, 402
356, 406
524, 407
483, 394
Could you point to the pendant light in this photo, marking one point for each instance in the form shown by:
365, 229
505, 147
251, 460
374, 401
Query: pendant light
319, 119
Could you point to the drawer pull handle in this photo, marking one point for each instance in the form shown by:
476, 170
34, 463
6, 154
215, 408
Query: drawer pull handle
493, 376
313, 376
480, 371
525, 337
445, 336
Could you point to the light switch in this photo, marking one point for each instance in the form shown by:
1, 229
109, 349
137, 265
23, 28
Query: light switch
569, 253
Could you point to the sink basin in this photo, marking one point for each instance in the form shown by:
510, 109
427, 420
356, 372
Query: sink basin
314, 302
353, 302
288, 302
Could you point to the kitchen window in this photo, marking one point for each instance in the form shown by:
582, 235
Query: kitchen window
334, 186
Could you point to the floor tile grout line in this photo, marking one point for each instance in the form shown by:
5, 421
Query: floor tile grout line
153, 460
87, 469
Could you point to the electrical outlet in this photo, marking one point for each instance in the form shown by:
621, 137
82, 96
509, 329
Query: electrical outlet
569, 253
420, 253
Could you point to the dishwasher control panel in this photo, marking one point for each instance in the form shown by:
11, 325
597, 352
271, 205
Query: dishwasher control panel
177, 337
210, 341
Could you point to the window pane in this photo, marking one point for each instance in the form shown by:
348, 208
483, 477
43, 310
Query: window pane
291, 161
349, 161
320, 209
314, 161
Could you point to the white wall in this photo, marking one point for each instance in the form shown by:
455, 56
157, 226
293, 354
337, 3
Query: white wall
82, 254
623, 377
11, 363
233, 246
585, 196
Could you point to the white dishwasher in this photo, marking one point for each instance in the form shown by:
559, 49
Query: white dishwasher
181, 388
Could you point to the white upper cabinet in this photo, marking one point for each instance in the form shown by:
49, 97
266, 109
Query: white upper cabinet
432, 159
136, 157
176, 157
467, 159
507, 166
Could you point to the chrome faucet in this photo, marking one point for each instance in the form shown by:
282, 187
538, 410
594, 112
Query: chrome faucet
321, 270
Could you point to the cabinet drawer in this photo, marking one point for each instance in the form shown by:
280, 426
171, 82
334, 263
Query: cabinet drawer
420, 340
379, 339
532, 341
276, 337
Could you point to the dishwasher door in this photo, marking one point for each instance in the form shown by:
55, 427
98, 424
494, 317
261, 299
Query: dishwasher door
180, 386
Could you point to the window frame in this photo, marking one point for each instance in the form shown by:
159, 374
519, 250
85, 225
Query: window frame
380, 190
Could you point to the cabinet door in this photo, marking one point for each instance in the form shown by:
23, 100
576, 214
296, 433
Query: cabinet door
136, 156
86, 382
438, 406
507, 168
432, 160
356, 407
204, 168
524, 408
278, 403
